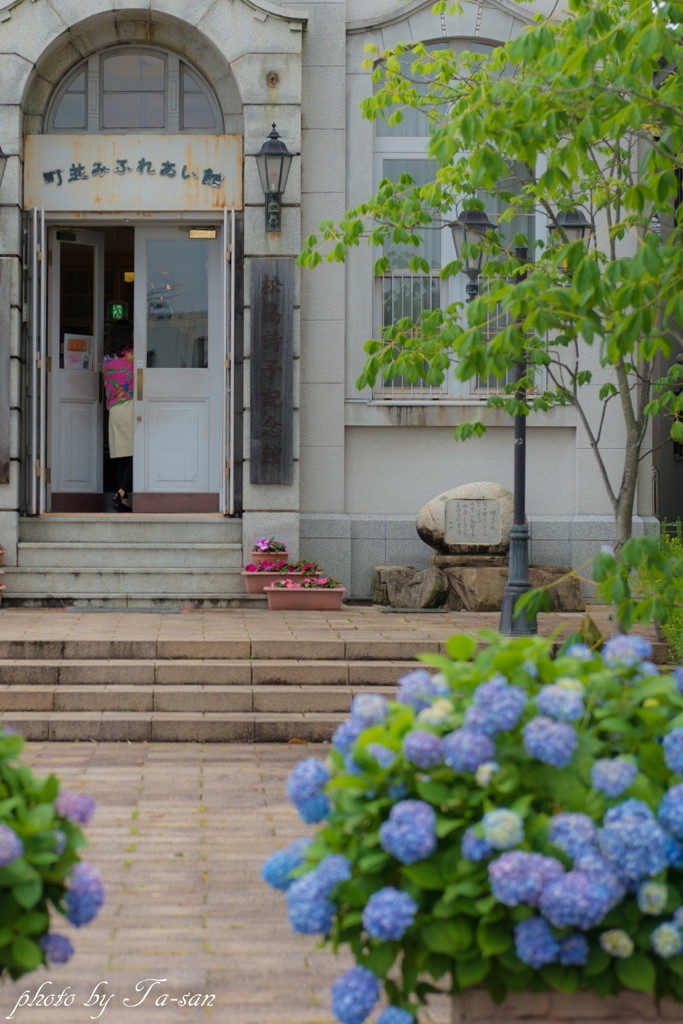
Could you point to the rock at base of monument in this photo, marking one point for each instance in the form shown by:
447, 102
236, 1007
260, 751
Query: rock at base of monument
401, 586
564, 588
469, 561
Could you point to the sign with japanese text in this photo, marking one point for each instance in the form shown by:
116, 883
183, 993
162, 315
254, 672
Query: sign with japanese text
130, 173
272, 371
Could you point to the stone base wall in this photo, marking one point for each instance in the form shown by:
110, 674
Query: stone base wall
476, 1007
350, 546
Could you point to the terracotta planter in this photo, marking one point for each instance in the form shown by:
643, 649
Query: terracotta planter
322, 599
476, 1007
259, 557
255, 582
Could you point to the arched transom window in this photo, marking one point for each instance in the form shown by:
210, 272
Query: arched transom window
134, 89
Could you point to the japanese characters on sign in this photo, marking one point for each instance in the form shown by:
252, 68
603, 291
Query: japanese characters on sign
133, 172
272, 407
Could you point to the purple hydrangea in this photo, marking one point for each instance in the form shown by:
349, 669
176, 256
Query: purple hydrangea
503, 828
78, 807
56, 948
346, 734
389, 913
678, 678
561, 703
385, 756
475, 847
419, 688
613, 775
465, 749
518, 877
496, 707
631, 808
574, 950
575, 900
85, 895
277, 870
634, 843
60, 841
11, 845
304, 789
673, 751
572, 832
671, 811
395, 1015
422, 748
354, 995
410, 832
580, 651
593, 864
370, 708
549, 741
626, 650
535, 943
309, 908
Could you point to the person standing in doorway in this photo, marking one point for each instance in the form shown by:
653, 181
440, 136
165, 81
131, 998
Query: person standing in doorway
117, 367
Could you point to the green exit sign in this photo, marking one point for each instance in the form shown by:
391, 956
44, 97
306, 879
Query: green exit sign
117, 311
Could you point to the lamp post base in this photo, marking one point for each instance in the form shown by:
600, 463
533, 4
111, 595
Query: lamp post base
517, 584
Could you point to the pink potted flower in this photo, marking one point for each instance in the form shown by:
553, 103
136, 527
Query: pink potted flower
257, 577
312, 593
267, 549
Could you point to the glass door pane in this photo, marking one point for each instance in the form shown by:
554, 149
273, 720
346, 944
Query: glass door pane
177, 304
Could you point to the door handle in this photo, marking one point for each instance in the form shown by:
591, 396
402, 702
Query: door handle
140, 385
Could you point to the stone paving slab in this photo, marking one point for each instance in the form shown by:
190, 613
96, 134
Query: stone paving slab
180, 834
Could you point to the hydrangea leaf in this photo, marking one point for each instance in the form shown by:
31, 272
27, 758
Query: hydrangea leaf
637, 972
461, 647
450, 937
26, 953
471, 972
494, 939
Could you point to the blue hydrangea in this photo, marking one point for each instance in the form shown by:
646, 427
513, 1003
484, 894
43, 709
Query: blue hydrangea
593, 864
574, 950
617, 942
410, 832
60, 841
518, 877
419, 688
422, 748
549, 741
631, 808
496, 706
370, 708
354, 995
85, 895
389, 913
667, 940
384, 756
575, 900
333, 869
309, 908
678, 678
278, 868
559, 702
475, 847
56, 948
395, 1015
78, 807
11, 845
613, 775
652, 897
673, 750
674, 852
503, 828
304, 789
535, 943
671, 811
346, 734
572, 832
582, 652
645, 670
465, 749
626, 650
314, 809
635, 844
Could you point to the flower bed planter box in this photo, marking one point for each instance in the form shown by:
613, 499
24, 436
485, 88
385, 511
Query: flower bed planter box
260, 557
476, 1007
256, 582
323, 599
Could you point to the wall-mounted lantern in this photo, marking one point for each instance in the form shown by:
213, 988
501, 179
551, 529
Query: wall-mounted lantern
273, 161
4, 157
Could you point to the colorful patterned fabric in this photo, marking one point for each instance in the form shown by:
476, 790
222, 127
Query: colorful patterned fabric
118, 378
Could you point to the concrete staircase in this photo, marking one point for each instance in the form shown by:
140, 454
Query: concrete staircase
214, 691
128, 561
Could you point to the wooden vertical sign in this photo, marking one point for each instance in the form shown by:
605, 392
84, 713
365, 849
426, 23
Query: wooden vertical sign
5, 313
272, 371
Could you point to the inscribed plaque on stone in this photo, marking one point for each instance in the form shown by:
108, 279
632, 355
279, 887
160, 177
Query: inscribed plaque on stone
473, 521
272, 371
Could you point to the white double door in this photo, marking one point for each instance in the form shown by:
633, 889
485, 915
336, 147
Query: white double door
180, 386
